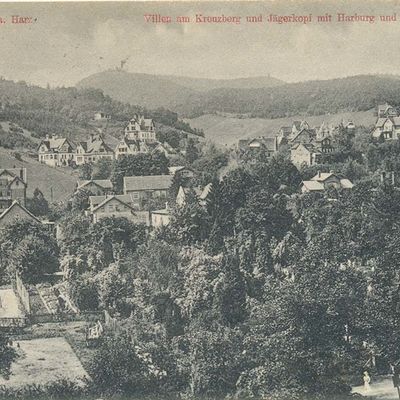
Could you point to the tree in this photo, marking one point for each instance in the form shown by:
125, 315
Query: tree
102, 169
192, 152
29, 247
85, 171
33, 257
38, 205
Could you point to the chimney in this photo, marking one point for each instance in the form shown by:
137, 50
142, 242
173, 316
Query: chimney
319, 174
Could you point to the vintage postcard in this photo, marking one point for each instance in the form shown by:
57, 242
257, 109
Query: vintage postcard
200, 200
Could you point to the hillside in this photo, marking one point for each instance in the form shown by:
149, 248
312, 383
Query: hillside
254, 97
163, 90
357, 93
70, 111
59, 183
201, 84
227, 130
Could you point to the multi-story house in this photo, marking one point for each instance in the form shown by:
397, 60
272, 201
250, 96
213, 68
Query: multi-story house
386, 110
130, 147
92, 150
56, 152
140, 128
143, 189
387, 128
304, 154
13, 186
121, 206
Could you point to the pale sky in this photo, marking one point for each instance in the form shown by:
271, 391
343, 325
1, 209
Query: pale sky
70, 41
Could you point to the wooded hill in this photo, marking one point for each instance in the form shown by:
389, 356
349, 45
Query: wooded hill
70, 111
256, 97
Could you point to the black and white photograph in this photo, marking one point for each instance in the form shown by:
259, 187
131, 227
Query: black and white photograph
200, 200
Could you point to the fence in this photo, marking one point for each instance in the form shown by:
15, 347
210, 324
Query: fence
23, 294
83, 316
110, 322
8, 322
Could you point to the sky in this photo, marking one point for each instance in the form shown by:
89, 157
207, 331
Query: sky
70, 41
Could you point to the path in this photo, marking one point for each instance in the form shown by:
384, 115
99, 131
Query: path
9, 304
382, 390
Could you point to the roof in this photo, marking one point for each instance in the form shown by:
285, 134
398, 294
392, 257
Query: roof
96, 200
309, 146
164, 211
322, 176
108, 199
285, 129
104, 183
149, 182
311, 133
313, 185
16, 204
174, 170
14, 173
54, 143
297, 124
346, 184
206, 191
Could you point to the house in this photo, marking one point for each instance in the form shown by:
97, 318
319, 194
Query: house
325, 180
13, 184
96, 187
165, 148
140, 128
181, 171
131, 147
387, 128
160, 217
268, 144
145, 188
305, 154
16, 212
56, 152
101, 116
386, 110
116, 206
92, 150
324, 145
184, 192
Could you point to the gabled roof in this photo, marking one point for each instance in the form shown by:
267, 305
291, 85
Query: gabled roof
346, 183
55, 143
149, 182
308, 146
206, 191
310, 132
297, 125
313, 185
16, 204
108, 199
323, 176
13, 173
102, 183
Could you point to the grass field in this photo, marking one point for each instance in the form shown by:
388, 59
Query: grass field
56, 184
42, 361
227, 130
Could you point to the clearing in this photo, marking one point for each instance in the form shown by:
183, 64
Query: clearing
42, 361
